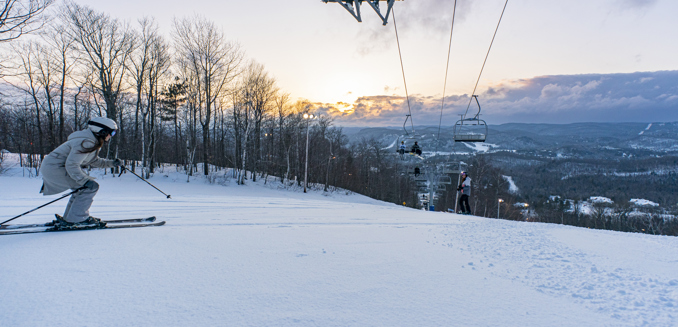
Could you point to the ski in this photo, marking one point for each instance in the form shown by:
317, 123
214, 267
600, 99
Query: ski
50, 224
77, 228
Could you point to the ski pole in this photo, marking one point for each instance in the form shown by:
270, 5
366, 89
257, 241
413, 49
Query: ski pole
44, 205
147, 182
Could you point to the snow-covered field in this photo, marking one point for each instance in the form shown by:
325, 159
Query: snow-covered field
257, 255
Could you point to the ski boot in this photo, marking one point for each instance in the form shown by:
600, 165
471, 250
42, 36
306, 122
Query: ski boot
93, 222
59, 222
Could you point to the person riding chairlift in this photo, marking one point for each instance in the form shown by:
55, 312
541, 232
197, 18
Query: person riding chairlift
416, 149
401, 149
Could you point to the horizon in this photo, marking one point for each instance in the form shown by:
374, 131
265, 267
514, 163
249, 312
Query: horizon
522, 123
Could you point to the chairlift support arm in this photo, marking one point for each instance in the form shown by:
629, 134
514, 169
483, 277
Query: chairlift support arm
408, 116
349, 5
478, 114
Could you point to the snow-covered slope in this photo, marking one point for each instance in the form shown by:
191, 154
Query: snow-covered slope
256, 255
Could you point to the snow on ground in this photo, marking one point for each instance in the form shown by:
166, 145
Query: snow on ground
512, 185
261, 255
600, 199
479, 147
395, 142
644, 203
646, 129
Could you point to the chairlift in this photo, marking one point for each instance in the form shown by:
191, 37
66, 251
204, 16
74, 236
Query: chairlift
446, 180
470, 129
413, 148
353, 7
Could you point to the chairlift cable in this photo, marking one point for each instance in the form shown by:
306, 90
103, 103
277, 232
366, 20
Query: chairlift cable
447, 67
487, 55
402, 67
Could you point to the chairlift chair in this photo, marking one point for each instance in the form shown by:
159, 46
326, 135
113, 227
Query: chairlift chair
446, 180
451, 171
470, 129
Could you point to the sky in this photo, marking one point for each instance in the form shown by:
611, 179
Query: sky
351, 70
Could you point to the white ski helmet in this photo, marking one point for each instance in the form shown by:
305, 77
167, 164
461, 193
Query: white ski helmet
103, 126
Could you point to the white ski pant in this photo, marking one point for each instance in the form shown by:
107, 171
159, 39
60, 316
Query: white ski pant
77, 209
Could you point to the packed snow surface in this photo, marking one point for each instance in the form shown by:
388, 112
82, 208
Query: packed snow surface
263, 255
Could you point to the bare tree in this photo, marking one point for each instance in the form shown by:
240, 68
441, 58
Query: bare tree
61, 45
107, 44
18, 17
211, 61
138, 66
159, 65
45, 74
242, 121
283, 112
26, 54
148, 64
258, 91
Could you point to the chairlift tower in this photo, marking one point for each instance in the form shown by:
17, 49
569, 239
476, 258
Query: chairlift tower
353, 7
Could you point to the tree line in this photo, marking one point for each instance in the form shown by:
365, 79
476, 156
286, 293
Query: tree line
193, 100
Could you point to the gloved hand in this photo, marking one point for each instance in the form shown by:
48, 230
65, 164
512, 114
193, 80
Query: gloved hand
459, 188
117, 162
91, 184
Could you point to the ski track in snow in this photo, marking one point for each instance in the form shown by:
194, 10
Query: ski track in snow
256, 255
544, 259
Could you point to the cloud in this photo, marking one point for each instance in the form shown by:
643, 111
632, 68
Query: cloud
430, 16
635, 4
642, 96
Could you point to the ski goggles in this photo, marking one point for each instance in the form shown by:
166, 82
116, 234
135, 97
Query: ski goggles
104, 128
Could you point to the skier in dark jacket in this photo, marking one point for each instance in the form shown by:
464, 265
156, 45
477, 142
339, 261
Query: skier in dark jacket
465, 189
62, 169
416, 149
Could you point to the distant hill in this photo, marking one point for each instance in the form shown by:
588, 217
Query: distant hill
582, 140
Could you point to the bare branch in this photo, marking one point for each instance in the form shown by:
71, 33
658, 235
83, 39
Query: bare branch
18, 17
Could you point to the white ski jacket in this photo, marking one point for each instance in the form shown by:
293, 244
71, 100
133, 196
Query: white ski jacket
62, 168
466, 186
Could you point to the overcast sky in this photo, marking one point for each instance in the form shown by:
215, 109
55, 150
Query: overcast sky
552, 61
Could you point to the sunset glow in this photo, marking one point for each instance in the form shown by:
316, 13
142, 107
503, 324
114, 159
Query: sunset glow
319, 52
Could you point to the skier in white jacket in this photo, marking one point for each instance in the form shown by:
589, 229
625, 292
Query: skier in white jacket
62, 169
465, 189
